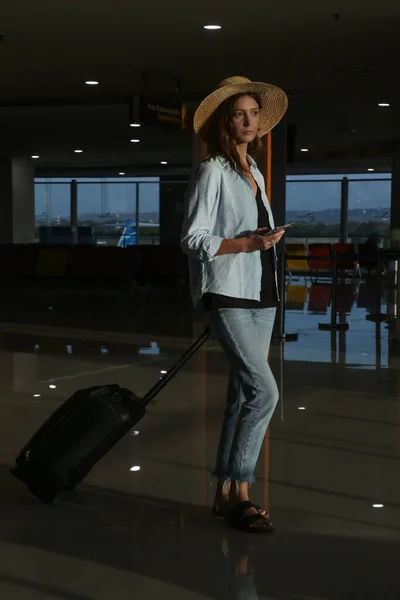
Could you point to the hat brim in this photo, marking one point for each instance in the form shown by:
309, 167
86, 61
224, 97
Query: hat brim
273, 100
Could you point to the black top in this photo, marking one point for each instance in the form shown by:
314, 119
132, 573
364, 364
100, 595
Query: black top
268, 296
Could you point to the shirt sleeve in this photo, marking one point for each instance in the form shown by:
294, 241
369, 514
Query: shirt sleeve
196, 239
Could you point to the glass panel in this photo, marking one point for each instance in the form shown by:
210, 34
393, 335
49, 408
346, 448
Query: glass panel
369, 210
52, 207
315, 206
149, 213
113, 211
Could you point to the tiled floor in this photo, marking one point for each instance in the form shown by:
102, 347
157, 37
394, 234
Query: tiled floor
332, 453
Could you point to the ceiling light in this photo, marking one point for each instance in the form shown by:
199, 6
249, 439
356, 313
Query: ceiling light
135, 468
121, 173
36, 395
135, 141
135, 124
164, 162
371, 169
78, 151
92, 82
302, 408
212, 26
377, 505
163, 372
304, 149
135, 432
35, 156
52, 386
383, 104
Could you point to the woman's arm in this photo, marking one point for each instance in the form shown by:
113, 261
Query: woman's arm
196, 240
233, 246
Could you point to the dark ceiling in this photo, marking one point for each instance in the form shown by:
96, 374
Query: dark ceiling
336, 59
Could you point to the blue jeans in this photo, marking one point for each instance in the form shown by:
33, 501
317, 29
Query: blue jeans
245, 336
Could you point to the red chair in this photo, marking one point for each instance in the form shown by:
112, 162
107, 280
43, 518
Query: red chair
319, 298
346, 265
320, 250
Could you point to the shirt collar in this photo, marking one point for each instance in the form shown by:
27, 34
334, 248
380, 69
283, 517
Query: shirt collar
250, 160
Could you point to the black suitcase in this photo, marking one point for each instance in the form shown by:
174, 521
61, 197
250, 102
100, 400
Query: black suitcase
79, 433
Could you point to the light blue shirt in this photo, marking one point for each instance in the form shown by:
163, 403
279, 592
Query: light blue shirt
220, 204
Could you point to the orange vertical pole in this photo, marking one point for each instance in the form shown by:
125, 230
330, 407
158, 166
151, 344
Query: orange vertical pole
268, 181
268, 165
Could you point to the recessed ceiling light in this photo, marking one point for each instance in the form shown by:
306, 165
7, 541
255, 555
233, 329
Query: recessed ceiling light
164, 162
135, 468
377, 505
212, 26
78, 151
52, 386
135, 124
383, 104
302, 408
36, 395
135, 141
371, 169
35, 156
121, 173
92, 82
304, 149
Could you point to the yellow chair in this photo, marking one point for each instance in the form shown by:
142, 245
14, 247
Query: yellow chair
296, 297
293, 265
52, 262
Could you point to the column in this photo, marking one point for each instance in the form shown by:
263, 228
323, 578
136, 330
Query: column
273, 166
278, 173
172, 193
395, 202
74, 211
344, 210
394, 347
17, 201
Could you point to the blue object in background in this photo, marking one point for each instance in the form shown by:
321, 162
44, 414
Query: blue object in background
128, 237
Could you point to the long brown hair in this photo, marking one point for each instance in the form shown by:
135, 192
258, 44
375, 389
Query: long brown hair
220, 139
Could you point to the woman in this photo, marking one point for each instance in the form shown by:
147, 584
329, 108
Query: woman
232, 265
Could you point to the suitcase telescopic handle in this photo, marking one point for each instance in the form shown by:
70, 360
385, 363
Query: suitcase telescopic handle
162, 382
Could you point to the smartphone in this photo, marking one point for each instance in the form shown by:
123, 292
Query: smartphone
276, 229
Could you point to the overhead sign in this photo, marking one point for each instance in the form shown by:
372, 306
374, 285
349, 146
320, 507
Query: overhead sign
161, 113
165, 114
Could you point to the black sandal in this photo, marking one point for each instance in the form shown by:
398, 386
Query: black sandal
237, 518
221, 511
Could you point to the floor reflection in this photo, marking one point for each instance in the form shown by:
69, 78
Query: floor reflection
328, 472
366, 306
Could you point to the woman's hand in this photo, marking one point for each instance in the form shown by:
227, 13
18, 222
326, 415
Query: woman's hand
252, 242
260, 240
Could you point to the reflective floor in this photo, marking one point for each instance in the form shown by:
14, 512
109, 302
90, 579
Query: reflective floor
328, 472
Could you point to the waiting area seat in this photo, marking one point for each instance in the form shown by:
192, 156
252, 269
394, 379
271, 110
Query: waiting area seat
319, 298
52, 262
296, 297
343, 265
320, 251
300, 266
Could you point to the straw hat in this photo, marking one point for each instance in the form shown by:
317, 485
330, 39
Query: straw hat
274, 103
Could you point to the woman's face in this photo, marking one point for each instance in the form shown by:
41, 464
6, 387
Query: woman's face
245, 120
